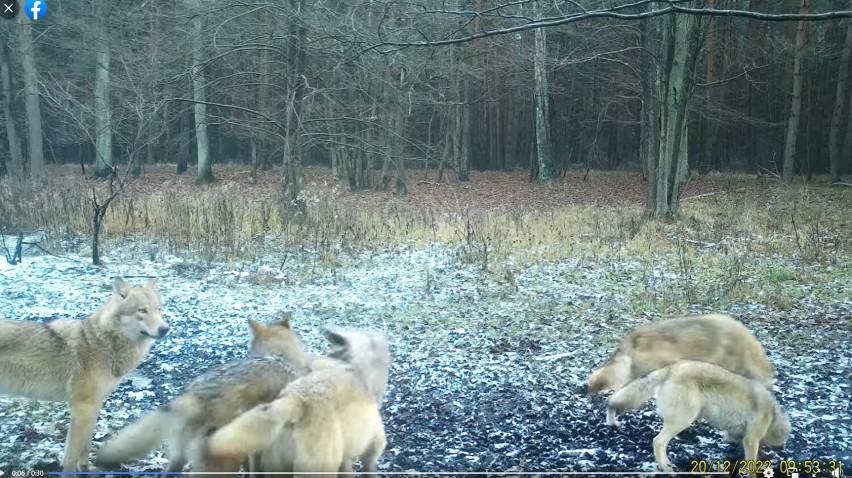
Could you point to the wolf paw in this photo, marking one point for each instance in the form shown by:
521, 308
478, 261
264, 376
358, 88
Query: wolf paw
612, 418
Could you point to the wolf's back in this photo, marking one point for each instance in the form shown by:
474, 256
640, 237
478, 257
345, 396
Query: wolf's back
715, 338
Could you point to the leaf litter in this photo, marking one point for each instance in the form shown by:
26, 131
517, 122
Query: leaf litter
486, 375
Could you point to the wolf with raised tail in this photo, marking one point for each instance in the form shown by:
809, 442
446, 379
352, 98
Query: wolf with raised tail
322, 421
212, 400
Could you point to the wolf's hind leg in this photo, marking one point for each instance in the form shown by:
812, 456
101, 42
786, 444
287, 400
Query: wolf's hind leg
370, 457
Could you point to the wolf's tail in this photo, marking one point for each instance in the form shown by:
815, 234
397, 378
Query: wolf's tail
136, 440
636, 393
256, 429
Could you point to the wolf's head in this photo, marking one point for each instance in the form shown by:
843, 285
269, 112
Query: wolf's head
612, 375
368, 354
779, 430
138, 310
277, 339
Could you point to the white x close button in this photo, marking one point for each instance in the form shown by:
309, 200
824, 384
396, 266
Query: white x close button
9, 9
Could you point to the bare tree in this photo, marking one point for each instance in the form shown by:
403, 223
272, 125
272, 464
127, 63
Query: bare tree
835, 159
204, 174
796, 102
104, 162
34, 128
543, 145
15, 168
680, 39
290, 183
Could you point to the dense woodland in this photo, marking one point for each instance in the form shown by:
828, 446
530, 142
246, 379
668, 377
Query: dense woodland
373, 88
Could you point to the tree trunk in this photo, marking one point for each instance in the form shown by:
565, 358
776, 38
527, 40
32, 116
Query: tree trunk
450, 130
796, 102
678, 94
847, 139
680, 38
263, 103
204, 173
713, 48
104, 162
254, 164
97, 220
16, 163
544, 146
650, 132
290, 187
34, 128
464, 145
399, 128
461, 139
835, 160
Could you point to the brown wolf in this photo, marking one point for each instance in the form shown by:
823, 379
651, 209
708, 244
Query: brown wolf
211, 400
688, 390
81, 361
716, 339
322, 421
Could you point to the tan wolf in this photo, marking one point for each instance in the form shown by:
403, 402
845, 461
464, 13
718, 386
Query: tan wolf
211, 400
716, 339
321, 422
687, 390
81, 361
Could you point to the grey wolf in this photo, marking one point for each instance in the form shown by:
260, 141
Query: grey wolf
212, 400
81, 361
687, 390
322, 421
716, 339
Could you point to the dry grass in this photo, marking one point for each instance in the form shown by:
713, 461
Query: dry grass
496, 219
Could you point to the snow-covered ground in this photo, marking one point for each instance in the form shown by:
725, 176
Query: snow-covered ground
487, 373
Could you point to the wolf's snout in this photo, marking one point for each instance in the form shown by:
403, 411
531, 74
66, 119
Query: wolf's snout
162, 331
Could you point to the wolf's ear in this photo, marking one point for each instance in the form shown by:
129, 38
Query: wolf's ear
152, 283
336, 338
120, 287
257, 329
285, 320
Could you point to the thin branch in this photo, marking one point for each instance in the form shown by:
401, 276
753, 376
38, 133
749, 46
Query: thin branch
611, 13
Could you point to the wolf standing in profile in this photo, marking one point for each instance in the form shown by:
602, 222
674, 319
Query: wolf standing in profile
81, 361
211, 400
322, 421
686, 391
716, 339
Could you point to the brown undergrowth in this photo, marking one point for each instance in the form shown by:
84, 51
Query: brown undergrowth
494, 217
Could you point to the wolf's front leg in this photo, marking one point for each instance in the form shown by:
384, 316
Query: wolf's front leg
611, 419
84, 416
750, 446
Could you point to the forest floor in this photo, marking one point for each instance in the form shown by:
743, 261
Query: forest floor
496, 320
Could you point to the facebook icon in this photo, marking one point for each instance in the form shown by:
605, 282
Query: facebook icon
35, 9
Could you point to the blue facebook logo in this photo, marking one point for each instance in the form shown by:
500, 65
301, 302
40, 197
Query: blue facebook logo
35, 9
